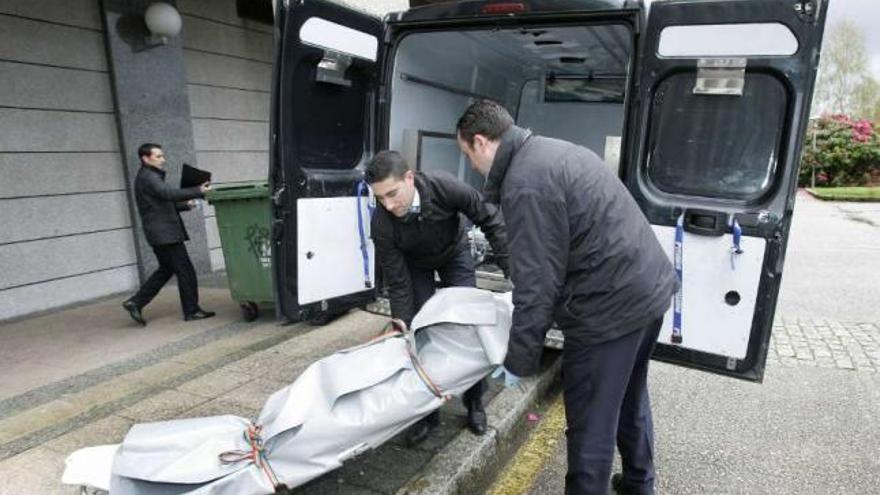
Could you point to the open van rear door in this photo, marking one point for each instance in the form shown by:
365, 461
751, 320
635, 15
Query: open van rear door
723, 98
323, 130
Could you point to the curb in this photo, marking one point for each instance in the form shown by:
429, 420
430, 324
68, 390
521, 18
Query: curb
820, 197
463, 463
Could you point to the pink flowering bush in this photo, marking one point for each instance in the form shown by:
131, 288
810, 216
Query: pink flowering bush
847, 152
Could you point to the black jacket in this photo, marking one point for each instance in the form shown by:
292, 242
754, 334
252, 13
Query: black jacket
582, 253
429, 240
157, 203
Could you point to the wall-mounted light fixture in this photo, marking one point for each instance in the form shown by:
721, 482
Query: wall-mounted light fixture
163, 22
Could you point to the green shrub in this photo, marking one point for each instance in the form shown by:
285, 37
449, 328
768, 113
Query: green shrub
846, 152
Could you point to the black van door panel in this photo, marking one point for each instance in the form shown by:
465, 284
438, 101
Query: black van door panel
723, 98
323, 130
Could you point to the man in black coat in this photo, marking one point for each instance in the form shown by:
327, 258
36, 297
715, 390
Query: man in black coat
159, 205
582, 254
418, 230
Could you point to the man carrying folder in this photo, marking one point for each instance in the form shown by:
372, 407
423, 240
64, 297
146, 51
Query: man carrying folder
159, 205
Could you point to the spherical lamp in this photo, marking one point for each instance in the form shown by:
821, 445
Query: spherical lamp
163, 21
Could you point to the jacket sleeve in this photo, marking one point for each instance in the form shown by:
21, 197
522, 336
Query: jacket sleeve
158, 188
464, 198
539, 242
395, 274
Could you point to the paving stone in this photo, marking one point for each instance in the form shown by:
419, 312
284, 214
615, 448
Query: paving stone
785, 351
218, 407
163, 406
826, 363
111, 429
821, 352
789, 361
215, 383
804, 353
36, 471
258, 364
845, 363
253, 394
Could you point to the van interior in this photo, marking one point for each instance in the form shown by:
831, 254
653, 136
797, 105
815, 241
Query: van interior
566, 82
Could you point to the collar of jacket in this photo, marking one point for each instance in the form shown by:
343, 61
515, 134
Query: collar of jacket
424, 191
511, 141
154, 170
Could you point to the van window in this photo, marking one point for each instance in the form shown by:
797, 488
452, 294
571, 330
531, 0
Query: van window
727, 40
334, 76
331, 120
716, 146
326, 34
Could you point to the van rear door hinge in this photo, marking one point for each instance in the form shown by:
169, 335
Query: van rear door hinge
808, 10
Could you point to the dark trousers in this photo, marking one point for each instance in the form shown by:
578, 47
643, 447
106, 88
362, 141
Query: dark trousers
173, 261
606, 400
457, 272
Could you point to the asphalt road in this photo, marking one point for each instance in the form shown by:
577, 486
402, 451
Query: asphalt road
806, 429
832, 267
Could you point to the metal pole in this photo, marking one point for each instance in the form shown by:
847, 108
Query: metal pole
813, 179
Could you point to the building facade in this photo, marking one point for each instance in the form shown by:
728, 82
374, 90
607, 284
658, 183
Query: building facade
81, 89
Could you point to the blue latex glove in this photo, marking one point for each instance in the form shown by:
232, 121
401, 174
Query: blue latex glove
510, 380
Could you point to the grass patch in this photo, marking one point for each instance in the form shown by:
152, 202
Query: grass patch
846, 193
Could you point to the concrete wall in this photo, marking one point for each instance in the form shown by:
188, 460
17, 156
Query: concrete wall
66, 229
65, 224
228, 72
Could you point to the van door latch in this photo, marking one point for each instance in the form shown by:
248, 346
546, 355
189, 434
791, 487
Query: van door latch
720, 76
331, 68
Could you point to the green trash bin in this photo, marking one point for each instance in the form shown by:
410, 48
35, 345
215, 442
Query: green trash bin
242, 212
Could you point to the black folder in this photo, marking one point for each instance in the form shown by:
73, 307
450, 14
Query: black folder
193, 177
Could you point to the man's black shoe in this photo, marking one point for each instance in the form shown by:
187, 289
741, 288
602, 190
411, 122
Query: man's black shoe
418, 432
199, 315
476, 420
135, 312
619, 487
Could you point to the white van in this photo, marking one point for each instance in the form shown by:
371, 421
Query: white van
699, 106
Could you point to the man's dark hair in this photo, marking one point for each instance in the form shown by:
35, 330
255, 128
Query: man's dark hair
385, 164
146, 149
484, 117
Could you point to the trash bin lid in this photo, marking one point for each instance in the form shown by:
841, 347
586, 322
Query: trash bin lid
241, 190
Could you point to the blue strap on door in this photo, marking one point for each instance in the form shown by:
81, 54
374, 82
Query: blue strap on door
365, 253
736, 249
678, 262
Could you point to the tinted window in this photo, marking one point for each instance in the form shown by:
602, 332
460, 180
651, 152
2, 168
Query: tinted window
329, 120
716, 146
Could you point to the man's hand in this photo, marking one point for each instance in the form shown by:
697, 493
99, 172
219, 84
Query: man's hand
503, 262
510, 380
205, 187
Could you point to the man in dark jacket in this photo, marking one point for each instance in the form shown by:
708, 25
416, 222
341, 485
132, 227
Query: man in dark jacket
159, 205
582, 254
418, 231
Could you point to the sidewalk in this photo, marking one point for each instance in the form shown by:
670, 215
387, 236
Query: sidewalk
85, 375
